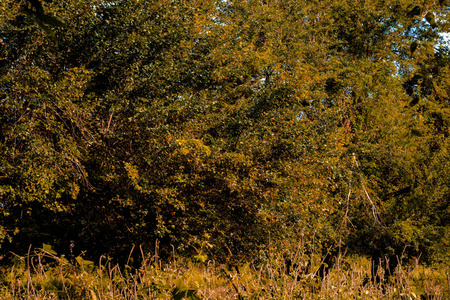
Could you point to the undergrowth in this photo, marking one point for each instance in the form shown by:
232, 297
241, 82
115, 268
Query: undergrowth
42, 274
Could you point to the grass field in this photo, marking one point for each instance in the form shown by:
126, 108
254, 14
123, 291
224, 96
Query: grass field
44, 275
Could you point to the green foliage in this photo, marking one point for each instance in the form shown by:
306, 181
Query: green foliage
182, 292
216, 126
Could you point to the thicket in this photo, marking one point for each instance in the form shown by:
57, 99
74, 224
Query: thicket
215, 127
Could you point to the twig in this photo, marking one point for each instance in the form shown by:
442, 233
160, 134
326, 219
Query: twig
232, 283
109, 122
375, 212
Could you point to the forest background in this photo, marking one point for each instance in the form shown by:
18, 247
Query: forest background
225, 126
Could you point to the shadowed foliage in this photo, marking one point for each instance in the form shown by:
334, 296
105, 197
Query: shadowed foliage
225, 123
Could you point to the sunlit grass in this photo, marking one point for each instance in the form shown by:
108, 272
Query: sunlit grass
44, 275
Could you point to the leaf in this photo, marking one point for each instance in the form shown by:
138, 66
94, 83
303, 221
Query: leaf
201, 257
181, 291
414, 12
192, 295
180, 285
413, 46
48, 248
93, 295
419, 291
83, 262
431, 19
185, 294
416, 132
50, 20
79, 260
414, 101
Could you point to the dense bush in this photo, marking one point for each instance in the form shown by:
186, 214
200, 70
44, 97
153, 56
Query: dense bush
225, 123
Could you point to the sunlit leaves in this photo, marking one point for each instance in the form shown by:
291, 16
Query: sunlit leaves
175, 120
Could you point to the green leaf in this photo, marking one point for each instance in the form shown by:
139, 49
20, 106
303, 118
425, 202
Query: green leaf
431, 19
48, 248
419, 291
413, 46
84, 262
181, 291
179, 294
201, 257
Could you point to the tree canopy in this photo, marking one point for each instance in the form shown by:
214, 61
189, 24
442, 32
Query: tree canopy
225, 122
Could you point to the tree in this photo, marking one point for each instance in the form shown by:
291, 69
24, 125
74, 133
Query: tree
217, 122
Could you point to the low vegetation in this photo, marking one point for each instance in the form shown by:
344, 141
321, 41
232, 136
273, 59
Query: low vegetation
44, 275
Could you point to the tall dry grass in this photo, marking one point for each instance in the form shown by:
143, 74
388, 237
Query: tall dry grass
44, 275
